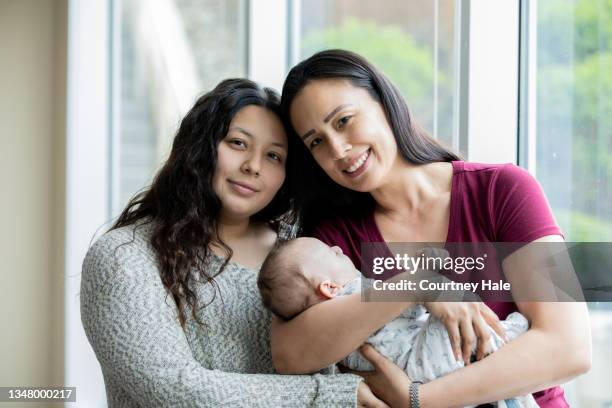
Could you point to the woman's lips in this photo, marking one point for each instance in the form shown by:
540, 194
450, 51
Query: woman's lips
242, 188
359, 165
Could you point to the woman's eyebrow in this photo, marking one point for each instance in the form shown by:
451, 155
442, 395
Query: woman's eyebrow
332, 113
327, 118
307, 134
282, 145
241, 130
249, 134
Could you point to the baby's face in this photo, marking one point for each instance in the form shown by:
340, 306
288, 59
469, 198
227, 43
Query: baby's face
321, 262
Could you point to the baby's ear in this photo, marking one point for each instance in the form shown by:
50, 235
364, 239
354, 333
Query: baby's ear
328, 289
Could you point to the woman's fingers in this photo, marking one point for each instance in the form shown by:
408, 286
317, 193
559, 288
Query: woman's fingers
364, 374
483, 335
372, 356
467, 324
455, 338
492, 320
367, 399
388, 381
468, 340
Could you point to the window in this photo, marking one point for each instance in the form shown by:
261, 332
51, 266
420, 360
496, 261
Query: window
166, 53
573, 123
413, 43
567, 141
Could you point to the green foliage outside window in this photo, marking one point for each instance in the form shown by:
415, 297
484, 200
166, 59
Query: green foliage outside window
408, 65
574, 99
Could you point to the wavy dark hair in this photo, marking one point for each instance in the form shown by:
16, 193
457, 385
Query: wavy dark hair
181, 204
318, 196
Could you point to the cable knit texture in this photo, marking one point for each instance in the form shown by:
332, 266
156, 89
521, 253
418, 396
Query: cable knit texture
148, 360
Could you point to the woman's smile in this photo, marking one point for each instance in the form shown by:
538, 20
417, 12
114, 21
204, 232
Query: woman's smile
242, 188
358, 165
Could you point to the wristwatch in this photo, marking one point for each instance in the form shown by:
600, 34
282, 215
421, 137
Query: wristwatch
414, 394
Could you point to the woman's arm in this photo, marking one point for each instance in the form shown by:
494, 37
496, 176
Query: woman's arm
133, 327
546, 355
327, 332
556, 348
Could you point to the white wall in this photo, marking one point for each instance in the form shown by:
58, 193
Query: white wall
32, 145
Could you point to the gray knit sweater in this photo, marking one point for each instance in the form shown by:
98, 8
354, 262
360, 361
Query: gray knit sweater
148, 360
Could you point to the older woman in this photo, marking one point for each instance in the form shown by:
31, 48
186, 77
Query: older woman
376, 177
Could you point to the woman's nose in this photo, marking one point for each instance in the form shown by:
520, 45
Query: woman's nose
252, 165
339, 147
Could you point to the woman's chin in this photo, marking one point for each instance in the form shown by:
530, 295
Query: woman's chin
363, 184
360, 188
239, 210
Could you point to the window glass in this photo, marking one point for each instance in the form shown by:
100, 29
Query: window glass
412, 42
574, 148
574, 125
168, 52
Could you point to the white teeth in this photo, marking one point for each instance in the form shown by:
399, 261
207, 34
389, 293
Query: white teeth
359, 162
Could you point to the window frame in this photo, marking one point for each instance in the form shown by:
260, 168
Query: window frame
268, 41
490, 37
87, 178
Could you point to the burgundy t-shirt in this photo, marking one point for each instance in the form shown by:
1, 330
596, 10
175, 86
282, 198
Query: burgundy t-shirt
489, 203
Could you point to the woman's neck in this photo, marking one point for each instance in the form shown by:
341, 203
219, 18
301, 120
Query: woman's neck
250, 241
231, 229
411, 187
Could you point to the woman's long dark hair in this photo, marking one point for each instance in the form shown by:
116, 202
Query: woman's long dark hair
181, 204
318, 196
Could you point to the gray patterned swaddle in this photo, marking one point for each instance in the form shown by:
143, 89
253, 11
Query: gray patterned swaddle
419, 344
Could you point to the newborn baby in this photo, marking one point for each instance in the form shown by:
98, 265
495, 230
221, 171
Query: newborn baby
302, 272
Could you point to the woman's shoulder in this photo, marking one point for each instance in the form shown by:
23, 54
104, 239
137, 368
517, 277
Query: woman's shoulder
491, 168
124, 240
496, 177
126, 250
514, 201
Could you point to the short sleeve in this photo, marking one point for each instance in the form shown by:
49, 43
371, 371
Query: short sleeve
519, 209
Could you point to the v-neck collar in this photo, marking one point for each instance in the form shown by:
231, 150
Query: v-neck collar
374, 234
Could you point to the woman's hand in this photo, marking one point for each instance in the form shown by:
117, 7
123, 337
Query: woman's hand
388, 382
466, 323
366, 399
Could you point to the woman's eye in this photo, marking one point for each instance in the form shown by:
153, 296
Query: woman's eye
238, 143
315, 142
275, 157
343, 121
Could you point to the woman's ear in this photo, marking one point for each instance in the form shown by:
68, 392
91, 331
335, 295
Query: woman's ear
328, 289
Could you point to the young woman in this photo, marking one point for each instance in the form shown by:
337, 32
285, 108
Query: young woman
376, 177
169, 299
